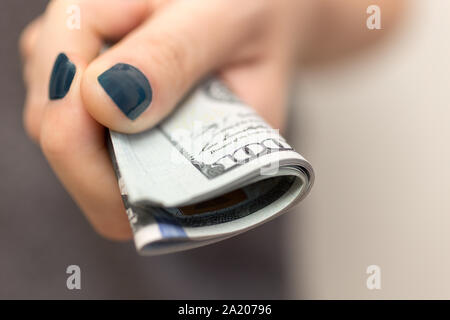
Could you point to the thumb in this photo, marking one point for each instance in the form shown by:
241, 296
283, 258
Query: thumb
140, 80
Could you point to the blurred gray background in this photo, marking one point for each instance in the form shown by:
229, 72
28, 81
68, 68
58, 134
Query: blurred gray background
42, 231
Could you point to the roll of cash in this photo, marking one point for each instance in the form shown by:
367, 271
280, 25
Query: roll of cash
210, 171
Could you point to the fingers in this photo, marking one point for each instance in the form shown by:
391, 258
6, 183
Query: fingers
54, 115
73, 143
76, 27
29, 37
136, 83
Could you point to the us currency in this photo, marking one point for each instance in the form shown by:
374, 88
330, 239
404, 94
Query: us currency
210, 171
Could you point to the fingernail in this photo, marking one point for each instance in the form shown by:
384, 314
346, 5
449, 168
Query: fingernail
128, 88
62, 76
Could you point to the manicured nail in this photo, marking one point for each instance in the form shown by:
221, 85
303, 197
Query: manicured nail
128, 88
62, 76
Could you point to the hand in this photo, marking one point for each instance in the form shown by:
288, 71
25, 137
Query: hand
162, 48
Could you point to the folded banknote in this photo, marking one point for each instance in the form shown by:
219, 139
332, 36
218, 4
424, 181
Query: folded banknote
210, 171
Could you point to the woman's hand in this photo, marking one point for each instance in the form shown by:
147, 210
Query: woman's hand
162, 49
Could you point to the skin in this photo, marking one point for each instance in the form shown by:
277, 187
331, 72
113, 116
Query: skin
256, 49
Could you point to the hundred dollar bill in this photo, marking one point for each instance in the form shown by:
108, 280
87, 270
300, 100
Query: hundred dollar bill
210, 171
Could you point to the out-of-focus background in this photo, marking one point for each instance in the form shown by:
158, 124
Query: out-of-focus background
375, 127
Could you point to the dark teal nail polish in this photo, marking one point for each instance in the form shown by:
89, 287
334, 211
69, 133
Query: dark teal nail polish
128, 88
62, 76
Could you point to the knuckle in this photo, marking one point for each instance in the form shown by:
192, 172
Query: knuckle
31, 124
24, 43
26, 38
51, 144
54, 137
54, 5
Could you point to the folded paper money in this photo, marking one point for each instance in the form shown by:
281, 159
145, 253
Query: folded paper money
210, 171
